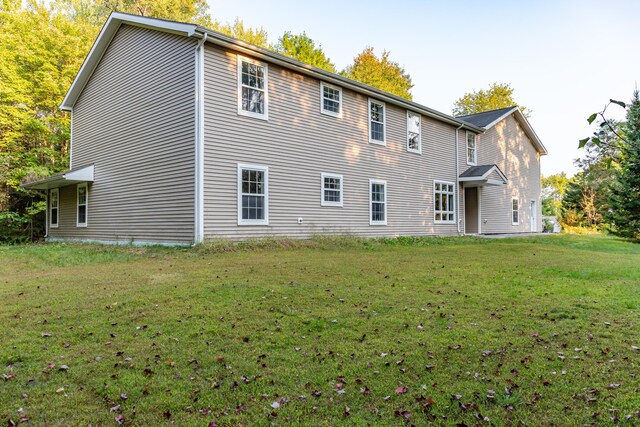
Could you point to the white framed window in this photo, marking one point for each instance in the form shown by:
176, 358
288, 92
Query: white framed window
377, 202
444, 204
82, 205
414, 133
331, 189
377, 127
253, 88
54, 207
253, 195
330, 100
472, 151
515, 211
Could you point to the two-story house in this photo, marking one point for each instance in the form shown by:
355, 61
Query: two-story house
180, 134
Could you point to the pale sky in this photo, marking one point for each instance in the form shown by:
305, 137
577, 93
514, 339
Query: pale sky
565, 59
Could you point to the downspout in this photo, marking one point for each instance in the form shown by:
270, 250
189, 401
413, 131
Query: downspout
458, 179
46, 214
199, 147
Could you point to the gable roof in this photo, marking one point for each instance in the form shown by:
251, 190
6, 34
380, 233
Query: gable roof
489, 119
482, 174
116, 19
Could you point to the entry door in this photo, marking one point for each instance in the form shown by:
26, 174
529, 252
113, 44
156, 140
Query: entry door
534, 217
471, 210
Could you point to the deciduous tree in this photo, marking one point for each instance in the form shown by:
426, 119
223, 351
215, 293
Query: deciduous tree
380, 72
256, 36
498, 95
553, 188
303, 48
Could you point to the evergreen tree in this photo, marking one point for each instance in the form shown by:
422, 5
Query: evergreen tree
625, 191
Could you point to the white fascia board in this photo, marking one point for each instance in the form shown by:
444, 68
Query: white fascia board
103, 41
525, 124
77, 176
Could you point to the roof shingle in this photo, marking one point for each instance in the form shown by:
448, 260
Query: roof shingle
485, 118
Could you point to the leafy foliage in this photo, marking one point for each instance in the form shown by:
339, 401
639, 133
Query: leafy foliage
553, 188
498, 95
42, 46
303, 48
41, 49
256, 36
380, 72
613, 152
95, 12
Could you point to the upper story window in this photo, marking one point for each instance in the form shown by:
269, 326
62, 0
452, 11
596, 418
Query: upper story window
377, 117
54, 206
414, 135
253, 88
330, 100
472, 151
331, 190
377, 202
444, 202
83, 199
515, 211
253, 195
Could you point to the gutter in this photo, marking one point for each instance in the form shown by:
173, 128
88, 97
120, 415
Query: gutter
308, 70
198, 227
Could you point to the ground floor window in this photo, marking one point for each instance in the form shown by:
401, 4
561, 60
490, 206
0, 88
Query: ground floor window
515, 211
331, 190
377, 202
82, 205
54, 206
253, 195
444, 202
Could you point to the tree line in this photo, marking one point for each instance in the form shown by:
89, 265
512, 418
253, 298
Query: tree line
605, 193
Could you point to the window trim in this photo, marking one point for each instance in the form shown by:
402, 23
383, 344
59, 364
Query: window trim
475, 149
453, 209
327, 112
265, 169
57, 208
242, 112
86, 205
386, 202
322, 189
384, 122
516, 211
419, 150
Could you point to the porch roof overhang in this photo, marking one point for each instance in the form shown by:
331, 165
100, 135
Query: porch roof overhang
480, 176
70, 177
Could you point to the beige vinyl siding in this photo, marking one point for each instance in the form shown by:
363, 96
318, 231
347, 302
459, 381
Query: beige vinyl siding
135, 121
298, 143
507, 146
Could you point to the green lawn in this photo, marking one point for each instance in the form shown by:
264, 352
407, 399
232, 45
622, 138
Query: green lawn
528, 331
